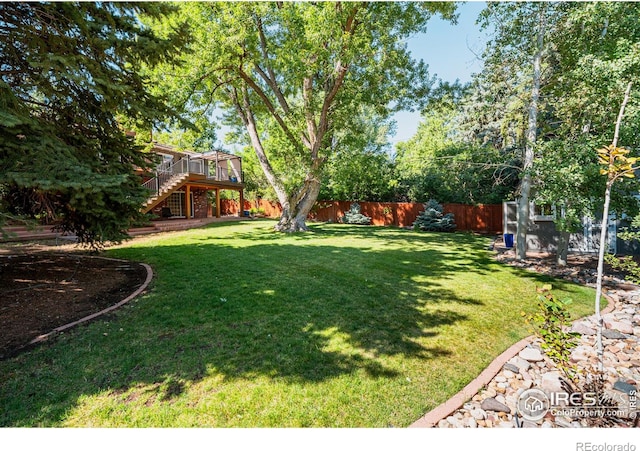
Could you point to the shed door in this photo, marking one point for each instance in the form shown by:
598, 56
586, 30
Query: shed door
510, 217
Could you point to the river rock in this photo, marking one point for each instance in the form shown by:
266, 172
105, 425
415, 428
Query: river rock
563, 422
581, 353
531, 355
551, 382
511, 367
453, 421
478, 414
520, 363
624, 387
496, 406
623, 327
490, 392
613, 334
583, 329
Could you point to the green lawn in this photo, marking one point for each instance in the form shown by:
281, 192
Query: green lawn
346, 326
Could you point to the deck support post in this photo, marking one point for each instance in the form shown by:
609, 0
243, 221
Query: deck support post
187, 208
217, 202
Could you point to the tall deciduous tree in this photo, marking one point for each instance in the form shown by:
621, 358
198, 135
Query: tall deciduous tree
360, 167
68, 72
293, 72
441, 163
520, 32
617, 164
596, 50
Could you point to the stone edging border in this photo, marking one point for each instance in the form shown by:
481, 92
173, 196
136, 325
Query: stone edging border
430, 419
139, 290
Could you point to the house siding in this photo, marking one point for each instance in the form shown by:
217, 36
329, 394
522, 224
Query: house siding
543, 236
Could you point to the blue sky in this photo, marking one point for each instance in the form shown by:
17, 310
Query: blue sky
450, 51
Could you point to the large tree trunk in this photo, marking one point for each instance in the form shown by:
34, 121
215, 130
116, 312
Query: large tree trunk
523, 215
318, 97
295, 210
532, 132
563, 248
296, 207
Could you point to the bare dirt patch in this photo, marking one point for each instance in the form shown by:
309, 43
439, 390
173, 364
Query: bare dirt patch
40, 292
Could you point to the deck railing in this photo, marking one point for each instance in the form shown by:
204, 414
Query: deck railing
167, 170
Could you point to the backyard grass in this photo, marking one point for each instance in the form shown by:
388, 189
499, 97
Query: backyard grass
242, 327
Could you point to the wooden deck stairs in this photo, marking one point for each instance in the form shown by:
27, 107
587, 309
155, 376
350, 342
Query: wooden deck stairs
166, 189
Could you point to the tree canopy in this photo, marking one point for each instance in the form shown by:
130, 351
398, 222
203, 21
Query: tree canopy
291, 74
69, 83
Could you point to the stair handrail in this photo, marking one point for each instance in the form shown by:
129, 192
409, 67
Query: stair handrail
165, 172
152, 185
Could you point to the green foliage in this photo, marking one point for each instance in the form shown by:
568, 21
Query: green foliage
289, 76
353, 216
438, 162
256, 211
69, 76
567, 175
432, 219
627, 263
360, 167
598, 53
550, 323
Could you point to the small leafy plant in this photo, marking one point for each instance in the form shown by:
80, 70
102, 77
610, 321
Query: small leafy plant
256, 211
551, 324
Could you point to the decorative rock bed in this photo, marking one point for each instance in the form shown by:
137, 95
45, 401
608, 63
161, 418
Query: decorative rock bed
496, 404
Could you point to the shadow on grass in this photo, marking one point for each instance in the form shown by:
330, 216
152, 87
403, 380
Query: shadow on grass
264, 307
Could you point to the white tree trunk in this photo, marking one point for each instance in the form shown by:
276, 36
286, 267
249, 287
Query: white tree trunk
295, 211
563, 248
612, 176
296, 207
601, 251
532, 133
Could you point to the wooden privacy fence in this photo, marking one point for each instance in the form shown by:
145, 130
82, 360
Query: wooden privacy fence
476, 218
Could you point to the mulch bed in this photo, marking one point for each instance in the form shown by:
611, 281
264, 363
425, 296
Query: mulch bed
580, 268
41, 292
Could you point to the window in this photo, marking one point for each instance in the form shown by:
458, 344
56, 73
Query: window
544, 212
174, 202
